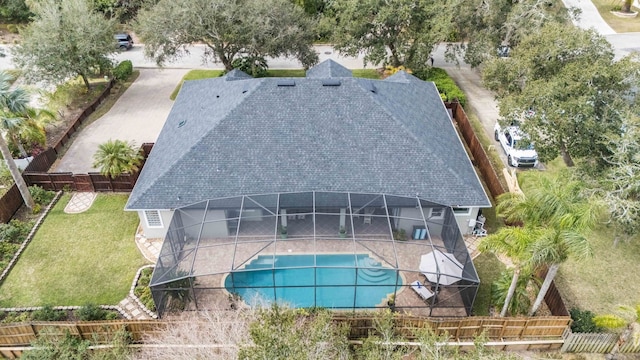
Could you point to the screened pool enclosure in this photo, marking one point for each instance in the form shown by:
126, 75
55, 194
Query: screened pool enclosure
337, 250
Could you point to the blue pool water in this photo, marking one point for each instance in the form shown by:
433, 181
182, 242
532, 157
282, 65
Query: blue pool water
331, 284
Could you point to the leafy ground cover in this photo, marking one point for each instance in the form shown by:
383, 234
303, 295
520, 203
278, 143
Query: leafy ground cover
76, 259
618, 24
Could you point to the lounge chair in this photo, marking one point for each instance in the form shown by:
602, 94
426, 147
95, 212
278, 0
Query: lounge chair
421, 290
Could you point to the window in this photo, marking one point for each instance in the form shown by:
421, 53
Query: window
436, 213
153, 218
462, 211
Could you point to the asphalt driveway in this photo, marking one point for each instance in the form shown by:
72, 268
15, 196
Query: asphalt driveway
137, 116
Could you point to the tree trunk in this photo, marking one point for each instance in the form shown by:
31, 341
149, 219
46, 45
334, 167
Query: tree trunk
566, 157
17, 176
551, 274
86, 81
626, 6
394, 55
512, 290
18, 143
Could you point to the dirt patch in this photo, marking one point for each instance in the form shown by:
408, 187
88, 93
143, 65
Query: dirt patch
9, 37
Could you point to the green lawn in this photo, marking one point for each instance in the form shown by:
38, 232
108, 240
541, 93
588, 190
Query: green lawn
618, 24
489, 269
76, 259
205, 74
605, 281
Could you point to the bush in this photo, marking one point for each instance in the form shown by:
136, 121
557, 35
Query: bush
91, 312
15, 231
41, 196
15, 317
48, 313
448, 89
583, 321
123, 70
500, 288
142, 290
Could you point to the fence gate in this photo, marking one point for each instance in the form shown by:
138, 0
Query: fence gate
83, 182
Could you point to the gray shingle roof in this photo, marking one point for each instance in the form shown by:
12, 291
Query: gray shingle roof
328, 69
254, 136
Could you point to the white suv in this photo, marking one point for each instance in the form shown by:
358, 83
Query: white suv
519, 150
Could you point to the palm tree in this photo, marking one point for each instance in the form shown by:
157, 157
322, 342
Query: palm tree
13, 99
17, 176
116, 157
555, 246
514, 243
18, 119
629, 321
557, 208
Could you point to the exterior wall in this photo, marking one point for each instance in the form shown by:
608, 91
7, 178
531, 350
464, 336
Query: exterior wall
215, 226
156, 232
463, 220
434, 228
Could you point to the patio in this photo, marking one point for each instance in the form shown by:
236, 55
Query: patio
193, 251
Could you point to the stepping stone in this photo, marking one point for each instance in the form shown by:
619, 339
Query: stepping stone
80, 202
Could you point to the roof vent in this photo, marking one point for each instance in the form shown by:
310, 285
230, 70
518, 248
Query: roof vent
286, 82
182, 123
330, 82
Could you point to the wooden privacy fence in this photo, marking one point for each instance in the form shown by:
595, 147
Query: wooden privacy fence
24, 333
361, 326
66, 137
525, 328
489, 174
601, 343
10, 202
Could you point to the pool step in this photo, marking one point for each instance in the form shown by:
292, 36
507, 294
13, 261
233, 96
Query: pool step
371, 270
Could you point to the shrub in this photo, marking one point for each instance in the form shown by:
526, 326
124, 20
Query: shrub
40, 195
91, 312
15, 317
48, 313
111, 315
500, 288
13, 28
583, 321
15, 231
123, 70
448, 89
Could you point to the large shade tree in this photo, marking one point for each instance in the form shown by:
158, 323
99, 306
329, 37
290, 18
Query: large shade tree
228, 29
566, 80
392, 32
491, 27
66, 39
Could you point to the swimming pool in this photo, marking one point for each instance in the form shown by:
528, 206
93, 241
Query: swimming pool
336, 281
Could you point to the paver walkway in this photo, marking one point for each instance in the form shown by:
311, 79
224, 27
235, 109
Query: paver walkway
133, 310
80, 202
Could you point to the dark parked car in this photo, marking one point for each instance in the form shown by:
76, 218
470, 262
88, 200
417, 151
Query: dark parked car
124, 41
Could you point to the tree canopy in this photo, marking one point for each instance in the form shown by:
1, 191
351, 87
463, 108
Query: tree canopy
565, 88
490, 26
392, 32
228, 29
65, 39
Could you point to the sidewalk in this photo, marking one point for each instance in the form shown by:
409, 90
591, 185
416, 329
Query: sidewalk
589, 16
